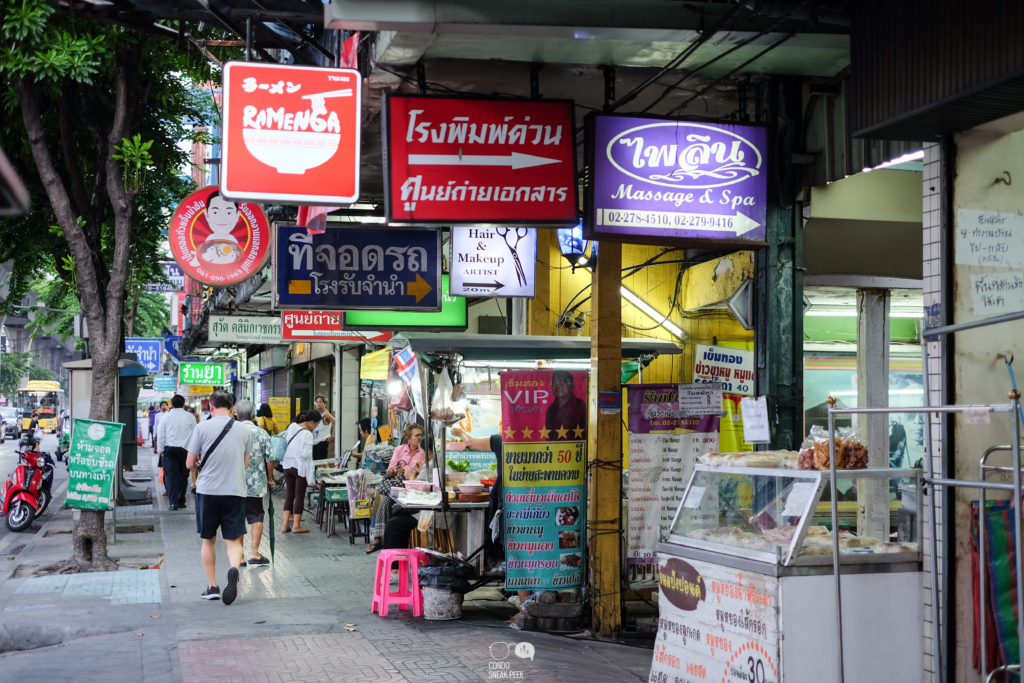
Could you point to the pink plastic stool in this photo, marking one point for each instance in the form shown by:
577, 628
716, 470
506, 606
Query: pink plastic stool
408, 593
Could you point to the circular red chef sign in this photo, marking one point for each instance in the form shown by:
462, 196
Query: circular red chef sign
216, 241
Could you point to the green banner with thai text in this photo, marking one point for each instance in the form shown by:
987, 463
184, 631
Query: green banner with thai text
92, 463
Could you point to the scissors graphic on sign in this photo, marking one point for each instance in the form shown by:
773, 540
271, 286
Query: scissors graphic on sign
512, 237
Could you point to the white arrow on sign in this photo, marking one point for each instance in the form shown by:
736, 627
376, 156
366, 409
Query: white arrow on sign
739, 224
514, 160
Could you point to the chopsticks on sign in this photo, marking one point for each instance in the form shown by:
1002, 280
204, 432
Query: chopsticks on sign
346, 92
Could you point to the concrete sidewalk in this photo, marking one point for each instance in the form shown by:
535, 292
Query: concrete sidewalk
306, 617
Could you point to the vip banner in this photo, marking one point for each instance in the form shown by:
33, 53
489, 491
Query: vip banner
664, 443
357, 269
544, 462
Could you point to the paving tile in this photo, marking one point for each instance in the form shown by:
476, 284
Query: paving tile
332, 656
97, 584
44, 584
136, 587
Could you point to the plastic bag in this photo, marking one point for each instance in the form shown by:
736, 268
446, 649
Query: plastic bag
450, 573
446, 407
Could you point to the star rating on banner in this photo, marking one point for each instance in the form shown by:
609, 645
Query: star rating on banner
544, 434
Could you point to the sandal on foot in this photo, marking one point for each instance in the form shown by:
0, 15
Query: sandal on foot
374, 548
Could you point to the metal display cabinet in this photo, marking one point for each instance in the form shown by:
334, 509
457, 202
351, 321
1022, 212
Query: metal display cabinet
749, 557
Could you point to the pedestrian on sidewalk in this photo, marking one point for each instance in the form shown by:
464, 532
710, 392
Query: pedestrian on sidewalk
221, 454
152, 426
265, 419
156, 425
258, 473
173, 432
298, 469
324, 432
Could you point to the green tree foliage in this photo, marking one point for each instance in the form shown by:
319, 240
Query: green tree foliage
14, 367
41, 373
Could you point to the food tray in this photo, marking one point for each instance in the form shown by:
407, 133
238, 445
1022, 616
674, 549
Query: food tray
474, 497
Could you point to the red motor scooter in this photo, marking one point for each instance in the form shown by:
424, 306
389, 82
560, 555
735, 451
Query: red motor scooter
21, 495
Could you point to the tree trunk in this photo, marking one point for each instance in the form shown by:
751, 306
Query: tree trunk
101, 292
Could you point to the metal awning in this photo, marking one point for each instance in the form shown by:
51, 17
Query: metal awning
499, 347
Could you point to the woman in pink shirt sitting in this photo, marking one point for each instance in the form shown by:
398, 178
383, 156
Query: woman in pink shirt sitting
407, 461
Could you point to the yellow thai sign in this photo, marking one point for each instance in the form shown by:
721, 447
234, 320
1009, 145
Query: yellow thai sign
374, 366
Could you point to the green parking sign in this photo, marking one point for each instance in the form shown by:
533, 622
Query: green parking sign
191, 372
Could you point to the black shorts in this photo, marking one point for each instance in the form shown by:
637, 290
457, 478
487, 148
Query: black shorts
253, 509
320, 451
225, 512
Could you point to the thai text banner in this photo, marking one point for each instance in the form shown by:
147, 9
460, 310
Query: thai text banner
92, 463
543, 469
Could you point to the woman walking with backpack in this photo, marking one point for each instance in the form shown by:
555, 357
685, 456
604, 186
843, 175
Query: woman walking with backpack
298, 469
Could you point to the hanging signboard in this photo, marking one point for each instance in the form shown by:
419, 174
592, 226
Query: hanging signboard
374, 366
498, 262
357, 269
544, 453
195, 372
454, 315
324, 326
694, 181
291, 133
174, 275
732, 368
664, 443
165, 383
245, 329
147, 351
459, 160
92, 463
216, 241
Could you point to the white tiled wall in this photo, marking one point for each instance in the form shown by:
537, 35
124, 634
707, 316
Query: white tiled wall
931, 250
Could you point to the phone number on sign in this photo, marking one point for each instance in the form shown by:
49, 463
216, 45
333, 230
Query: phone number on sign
662, 219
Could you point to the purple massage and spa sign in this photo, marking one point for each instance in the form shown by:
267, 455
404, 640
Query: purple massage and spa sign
668, 178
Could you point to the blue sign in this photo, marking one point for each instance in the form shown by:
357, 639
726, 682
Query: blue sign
147, 350
165, 383
172, 345
174, 275
358, 269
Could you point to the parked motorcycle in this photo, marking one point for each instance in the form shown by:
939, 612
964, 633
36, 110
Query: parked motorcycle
27, 492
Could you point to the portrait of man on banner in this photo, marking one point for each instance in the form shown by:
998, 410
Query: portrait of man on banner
566, 415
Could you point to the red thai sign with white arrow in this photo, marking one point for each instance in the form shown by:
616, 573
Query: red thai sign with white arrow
480, 161
324, 326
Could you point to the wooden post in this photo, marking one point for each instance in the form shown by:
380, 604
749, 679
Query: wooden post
604, 446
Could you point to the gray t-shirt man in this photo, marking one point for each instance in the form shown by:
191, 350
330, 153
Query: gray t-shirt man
223, 474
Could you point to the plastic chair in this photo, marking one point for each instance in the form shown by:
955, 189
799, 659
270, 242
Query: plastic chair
408, 593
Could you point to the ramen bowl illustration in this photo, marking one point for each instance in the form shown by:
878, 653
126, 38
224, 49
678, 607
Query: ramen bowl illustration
220, 251
291, 151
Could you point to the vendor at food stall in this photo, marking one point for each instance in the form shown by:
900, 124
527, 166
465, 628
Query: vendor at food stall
409, 458
494, 542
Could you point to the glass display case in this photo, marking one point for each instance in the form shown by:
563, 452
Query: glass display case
783, 517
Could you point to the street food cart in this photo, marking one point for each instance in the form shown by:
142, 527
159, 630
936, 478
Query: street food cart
747, 589
486, 356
